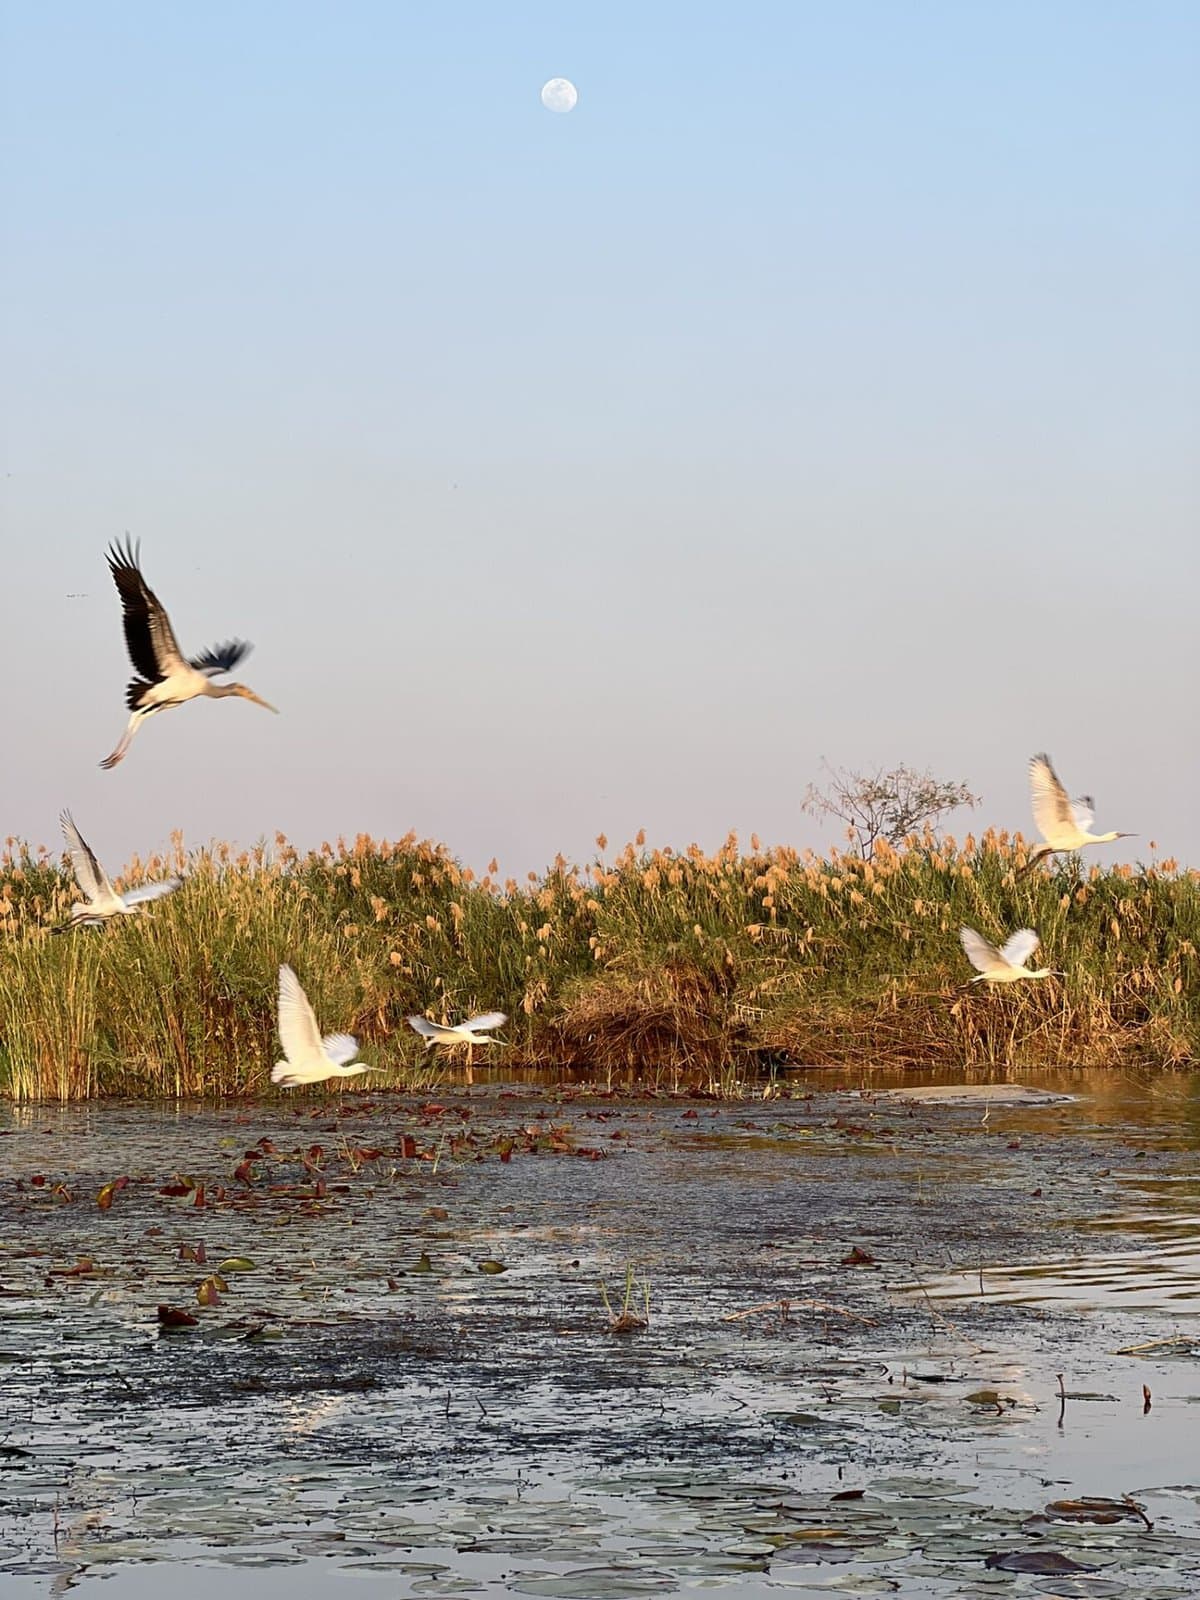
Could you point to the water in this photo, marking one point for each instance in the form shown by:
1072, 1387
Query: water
340, 1411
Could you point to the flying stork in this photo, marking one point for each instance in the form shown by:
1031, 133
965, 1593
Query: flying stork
166, 678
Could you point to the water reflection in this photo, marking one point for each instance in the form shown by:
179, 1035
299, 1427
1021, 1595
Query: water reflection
437, 1430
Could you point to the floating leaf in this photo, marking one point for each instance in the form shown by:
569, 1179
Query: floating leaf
236, 1264
816, 1549
492, 1266
423, 1263
82, 1267
172, 1317
105, 1198
210, 1291
1095, 1508
1044, 1563
436, 1214
858, 1258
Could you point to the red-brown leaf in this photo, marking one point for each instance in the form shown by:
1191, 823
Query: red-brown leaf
858, 1258
173, 1317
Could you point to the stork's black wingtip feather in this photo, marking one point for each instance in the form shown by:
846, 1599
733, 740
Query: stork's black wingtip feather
125, 557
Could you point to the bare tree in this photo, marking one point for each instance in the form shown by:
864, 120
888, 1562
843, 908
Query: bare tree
884, 805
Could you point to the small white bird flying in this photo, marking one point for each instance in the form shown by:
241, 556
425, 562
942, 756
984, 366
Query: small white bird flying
310, 1058
1007, 964
471, 1032
165, 678
1063, 823
101, 901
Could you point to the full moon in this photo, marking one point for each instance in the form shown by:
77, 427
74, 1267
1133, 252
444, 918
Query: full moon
560, 94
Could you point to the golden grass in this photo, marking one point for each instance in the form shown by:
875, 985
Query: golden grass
688, 968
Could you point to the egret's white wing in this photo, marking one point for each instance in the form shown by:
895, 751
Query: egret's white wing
984, 957
298, 1031
1020, 947
151, 891
89, 874
488, 1019
1084, 813
1051, 808
427, 1029
340, 1047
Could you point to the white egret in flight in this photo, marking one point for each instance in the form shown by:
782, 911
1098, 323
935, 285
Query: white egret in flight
166, 678
1006, 965
471, 1032
1063, 823
310, 1058
100, 900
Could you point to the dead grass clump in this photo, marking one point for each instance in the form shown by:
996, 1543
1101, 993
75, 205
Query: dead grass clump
677, 1017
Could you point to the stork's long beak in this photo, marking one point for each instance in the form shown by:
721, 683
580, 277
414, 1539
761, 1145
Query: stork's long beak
249, 694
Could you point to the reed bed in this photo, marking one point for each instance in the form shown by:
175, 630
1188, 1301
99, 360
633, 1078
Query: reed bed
685, 968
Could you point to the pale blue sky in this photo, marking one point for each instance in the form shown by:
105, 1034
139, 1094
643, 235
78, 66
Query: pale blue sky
826, 384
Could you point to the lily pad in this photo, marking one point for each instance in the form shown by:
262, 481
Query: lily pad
1044, 1563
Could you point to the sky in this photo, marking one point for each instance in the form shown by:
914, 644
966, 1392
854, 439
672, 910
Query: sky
824, 388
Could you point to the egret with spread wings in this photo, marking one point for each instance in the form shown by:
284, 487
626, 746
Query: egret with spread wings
471, 1032
309, 1057
166, 677
100, 900
1006, 964
1063, 823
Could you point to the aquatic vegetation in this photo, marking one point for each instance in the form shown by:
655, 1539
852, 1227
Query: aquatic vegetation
628, 1319
685, 970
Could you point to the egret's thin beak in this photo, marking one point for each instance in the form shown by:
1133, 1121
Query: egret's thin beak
249, 694
1129, 836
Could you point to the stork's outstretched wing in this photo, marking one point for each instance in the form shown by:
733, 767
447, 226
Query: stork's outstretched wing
222, 657
1051, 809
1020, 947
298, 1031
488, 1019
149, 637
89, 874
984, 957
340, 1047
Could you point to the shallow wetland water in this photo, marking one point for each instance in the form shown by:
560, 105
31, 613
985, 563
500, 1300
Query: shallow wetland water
859, 1311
